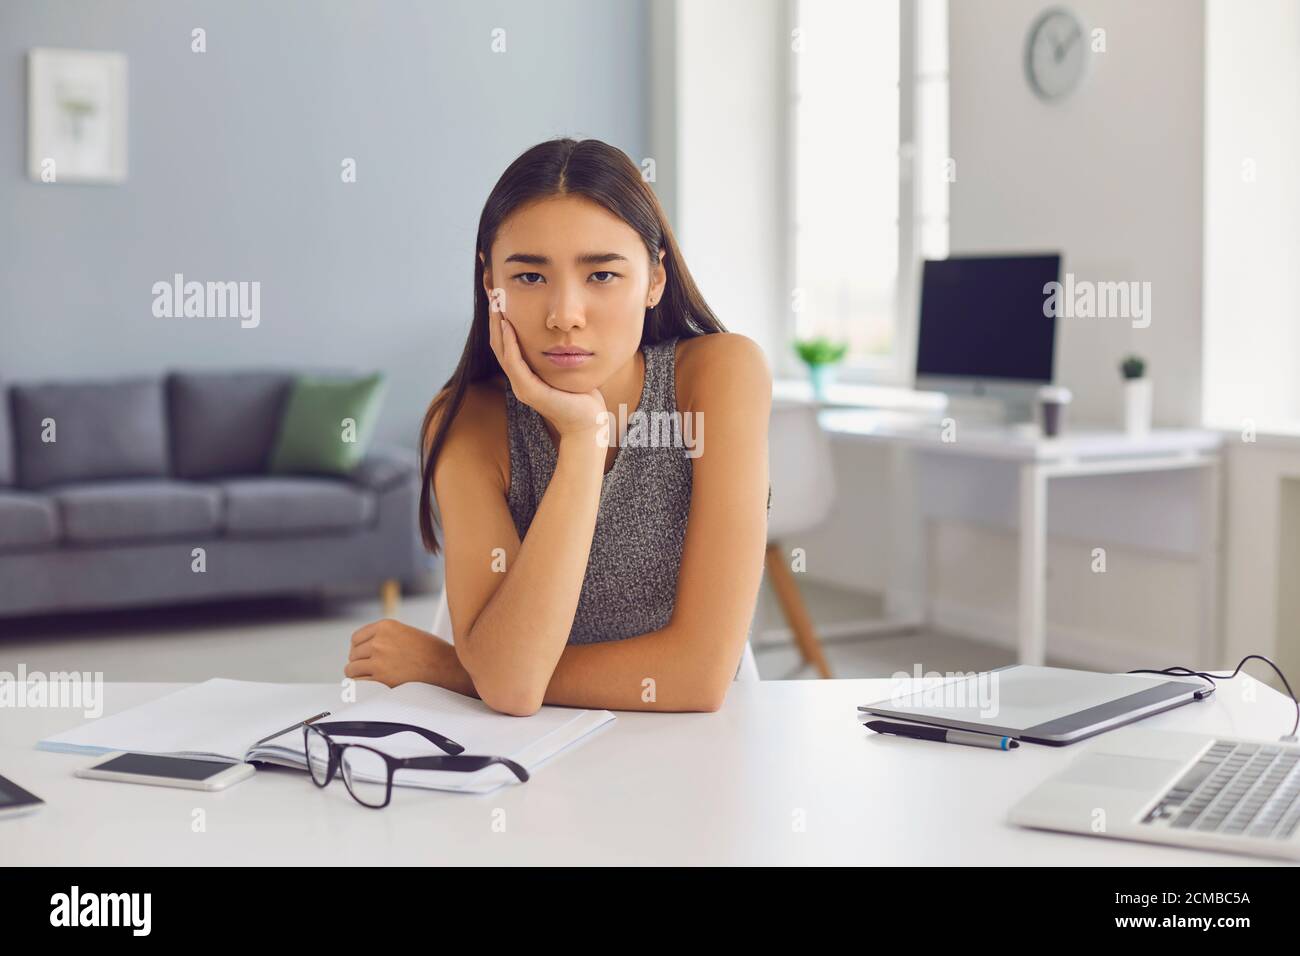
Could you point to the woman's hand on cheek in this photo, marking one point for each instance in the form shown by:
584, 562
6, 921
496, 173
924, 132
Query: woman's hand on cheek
570, 412
394, 653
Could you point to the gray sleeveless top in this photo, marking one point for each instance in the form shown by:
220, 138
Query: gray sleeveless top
630, 586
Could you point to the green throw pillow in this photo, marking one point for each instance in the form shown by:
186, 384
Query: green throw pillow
328, 424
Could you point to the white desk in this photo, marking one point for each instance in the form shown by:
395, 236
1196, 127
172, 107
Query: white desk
853, 395
1077, 454
722, 788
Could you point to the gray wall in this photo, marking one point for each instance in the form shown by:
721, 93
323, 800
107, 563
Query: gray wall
234, 165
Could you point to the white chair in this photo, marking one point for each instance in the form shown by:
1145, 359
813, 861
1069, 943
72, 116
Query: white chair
803, 494
748, 670
442, 619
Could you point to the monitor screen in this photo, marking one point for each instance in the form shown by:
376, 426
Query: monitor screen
982, 318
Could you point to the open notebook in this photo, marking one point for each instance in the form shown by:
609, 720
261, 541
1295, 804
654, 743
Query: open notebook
228, 720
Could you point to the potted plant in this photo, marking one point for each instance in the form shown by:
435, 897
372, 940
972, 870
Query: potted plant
1137, 395
820, 355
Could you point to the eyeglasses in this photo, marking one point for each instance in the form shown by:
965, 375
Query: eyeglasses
368, 773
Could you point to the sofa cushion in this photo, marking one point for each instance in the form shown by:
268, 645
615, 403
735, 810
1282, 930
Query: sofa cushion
312, 437
224, 423
7, 476
27, 520
114, 429
142, 509
381, 469
283, 506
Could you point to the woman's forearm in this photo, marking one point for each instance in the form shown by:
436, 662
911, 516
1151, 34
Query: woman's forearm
514, 645
654, 671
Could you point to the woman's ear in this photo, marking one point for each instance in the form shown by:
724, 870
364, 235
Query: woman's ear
658, 279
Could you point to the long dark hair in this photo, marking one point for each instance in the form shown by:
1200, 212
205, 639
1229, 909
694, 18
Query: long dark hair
607, 176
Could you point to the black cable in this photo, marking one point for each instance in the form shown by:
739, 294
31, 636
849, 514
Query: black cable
1179, 671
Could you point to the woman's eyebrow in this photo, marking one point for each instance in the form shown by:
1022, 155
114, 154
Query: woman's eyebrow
586, 259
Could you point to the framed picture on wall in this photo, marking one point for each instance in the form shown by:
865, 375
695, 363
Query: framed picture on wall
76, 116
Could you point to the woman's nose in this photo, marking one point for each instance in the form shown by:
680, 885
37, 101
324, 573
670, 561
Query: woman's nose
567, 312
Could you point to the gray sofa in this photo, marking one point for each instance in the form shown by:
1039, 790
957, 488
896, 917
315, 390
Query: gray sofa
143, 472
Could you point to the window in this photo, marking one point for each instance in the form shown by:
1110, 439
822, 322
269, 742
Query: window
869, 103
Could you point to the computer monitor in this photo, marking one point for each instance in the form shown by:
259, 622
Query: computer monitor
982, 328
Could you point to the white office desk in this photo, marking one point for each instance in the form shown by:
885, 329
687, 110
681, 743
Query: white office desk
1077, 454
858, 396
731, 787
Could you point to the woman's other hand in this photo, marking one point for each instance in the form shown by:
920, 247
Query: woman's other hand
395, 653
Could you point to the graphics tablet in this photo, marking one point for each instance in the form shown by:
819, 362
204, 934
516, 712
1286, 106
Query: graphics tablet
1042, 705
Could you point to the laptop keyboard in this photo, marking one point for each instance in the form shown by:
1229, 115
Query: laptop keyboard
1237, 789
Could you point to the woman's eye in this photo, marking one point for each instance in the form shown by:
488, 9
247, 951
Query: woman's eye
524, 277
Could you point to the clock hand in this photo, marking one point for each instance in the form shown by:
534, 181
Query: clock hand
1058, 48
1063, 48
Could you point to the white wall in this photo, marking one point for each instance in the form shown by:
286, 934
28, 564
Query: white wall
1252, 337
1262, 553
730, 157
1111, 176
1252, 212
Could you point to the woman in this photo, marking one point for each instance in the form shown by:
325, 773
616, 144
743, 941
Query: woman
587, 563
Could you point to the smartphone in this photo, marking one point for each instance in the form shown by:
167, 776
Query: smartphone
15, 801
162, 770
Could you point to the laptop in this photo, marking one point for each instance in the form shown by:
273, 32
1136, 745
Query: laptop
1212, 793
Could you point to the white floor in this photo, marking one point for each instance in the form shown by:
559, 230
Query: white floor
289, 640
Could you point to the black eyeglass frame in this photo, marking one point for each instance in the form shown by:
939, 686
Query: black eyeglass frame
384, 728
455, 761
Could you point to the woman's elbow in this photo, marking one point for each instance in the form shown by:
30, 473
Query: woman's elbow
513, 701
713, 694
705, 698
712, 702
506, 693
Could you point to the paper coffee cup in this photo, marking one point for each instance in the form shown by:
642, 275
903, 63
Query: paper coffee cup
1053, 399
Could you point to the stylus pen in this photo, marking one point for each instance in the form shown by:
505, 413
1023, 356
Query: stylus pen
943, 734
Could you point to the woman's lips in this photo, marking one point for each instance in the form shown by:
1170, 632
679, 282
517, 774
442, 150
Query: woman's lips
568, 359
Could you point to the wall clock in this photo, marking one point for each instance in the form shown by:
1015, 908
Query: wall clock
1056, 54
